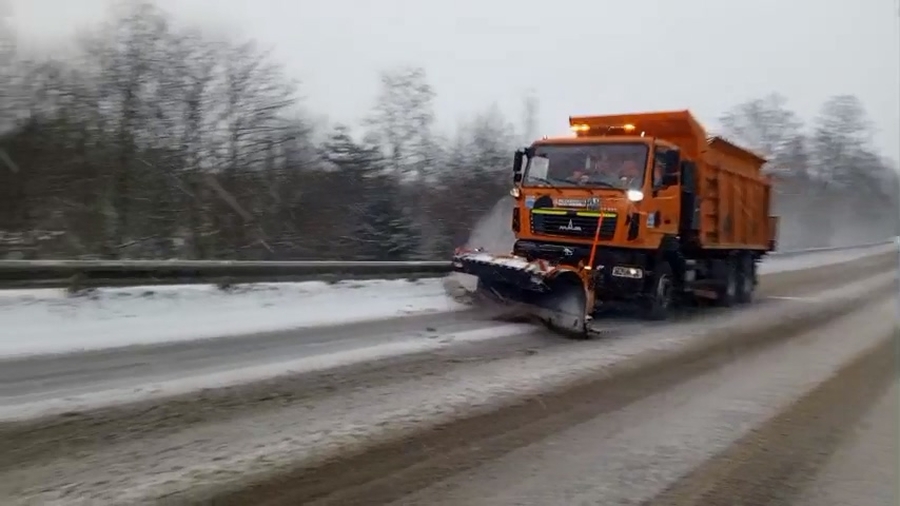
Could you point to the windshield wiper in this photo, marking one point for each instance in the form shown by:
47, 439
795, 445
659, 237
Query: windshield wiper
583, 186
575, 184
545, 181
598, 183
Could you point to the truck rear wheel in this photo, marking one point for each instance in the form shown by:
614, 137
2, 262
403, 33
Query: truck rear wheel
727, 281
746, 277
661, 293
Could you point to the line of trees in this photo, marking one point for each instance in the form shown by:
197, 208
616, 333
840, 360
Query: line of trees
156, 141
832, 185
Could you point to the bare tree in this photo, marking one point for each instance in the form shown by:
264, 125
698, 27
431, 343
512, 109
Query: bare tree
195, 61
765, 124
253, 99
478, 168
129, 57
530, 117
823, 178
403, 118
8, 73
401, 125
842, 135
859, 180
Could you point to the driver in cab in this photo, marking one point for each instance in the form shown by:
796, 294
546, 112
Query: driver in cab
594, 167
600, 168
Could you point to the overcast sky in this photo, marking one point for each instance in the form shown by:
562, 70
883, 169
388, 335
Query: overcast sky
579, 56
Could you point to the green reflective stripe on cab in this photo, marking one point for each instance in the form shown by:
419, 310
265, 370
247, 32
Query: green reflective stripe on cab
596, 214
564, 212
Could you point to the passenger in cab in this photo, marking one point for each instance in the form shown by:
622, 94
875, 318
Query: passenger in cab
630, 173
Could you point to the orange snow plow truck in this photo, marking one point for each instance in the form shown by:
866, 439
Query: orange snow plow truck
640, 209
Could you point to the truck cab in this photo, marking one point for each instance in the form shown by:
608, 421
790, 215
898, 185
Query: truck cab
616, 174
617, 188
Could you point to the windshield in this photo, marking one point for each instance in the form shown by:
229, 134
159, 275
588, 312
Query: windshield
608, 165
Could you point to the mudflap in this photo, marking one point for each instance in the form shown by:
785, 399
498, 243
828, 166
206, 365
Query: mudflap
534, 290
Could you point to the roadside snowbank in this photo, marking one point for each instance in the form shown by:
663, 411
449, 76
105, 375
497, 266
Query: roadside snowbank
50, 321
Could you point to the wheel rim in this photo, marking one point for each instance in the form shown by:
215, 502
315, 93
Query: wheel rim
747, 284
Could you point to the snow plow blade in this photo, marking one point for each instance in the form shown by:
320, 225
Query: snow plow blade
554, 295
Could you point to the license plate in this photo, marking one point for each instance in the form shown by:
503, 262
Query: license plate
627, 272
571, 202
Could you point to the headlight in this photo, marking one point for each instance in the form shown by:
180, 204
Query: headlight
635, 195
515, 192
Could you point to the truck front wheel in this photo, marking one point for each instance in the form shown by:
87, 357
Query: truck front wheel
661, 293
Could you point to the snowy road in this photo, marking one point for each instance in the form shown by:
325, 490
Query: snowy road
63, 382
357, 431
690, 444
42, 384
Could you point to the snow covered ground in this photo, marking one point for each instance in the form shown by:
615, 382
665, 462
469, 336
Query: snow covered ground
49, 321
795, 262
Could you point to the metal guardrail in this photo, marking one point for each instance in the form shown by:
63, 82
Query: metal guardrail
78, 274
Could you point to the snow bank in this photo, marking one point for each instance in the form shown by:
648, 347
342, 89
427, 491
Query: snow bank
776, 264
49, 320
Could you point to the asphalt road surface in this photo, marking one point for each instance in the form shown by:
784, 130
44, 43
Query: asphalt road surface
798, 413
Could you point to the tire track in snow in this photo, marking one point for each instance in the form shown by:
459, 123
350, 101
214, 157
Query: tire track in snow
772, 464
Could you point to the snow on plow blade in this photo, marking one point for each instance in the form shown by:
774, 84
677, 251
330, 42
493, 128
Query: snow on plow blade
555, 296
510, 270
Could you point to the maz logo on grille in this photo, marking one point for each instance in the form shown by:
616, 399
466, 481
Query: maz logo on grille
571, 226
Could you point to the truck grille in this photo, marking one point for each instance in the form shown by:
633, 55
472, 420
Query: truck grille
572, 225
